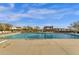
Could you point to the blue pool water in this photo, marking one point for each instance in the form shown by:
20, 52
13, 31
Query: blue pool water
42, 36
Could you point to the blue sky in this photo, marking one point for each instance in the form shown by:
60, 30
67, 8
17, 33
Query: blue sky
40, 14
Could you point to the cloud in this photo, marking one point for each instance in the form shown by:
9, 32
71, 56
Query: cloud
76, 12
6, 8
42, 11
34, 13
33, 5
3, 8
48, 13
12, 5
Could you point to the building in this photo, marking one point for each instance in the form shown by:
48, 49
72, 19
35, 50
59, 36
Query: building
57, 30
63, 30
48, 29
14, 29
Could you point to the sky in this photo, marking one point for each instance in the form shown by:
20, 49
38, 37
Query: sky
39, 14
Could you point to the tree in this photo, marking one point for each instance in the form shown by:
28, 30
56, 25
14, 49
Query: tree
74, 26
5, 27
36, 29
1, 28
8, 27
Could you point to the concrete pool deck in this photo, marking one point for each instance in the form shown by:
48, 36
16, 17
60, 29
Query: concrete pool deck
3, 35
40, 47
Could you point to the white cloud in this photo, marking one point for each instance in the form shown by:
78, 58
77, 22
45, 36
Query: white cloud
20, 15
35, 14
41, 11
76, 12
48, 13
33, 5
12, 5
3, 8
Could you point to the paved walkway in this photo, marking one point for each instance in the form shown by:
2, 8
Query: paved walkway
40, 47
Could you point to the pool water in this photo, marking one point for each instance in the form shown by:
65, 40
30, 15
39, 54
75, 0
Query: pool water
42, 36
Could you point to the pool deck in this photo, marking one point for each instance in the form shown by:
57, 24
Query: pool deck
40, 47
3, 35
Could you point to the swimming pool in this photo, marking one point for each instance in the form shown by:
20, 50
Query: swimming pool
42, 36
